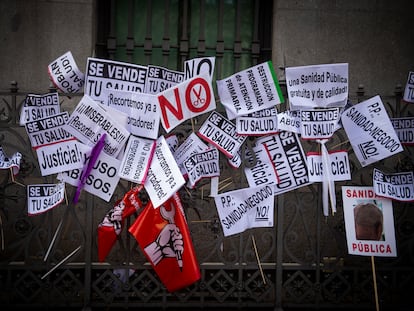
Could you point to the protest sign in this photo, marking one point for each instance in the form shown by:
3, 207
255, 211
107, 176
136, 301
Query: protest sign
235, 161
164, 177
61, 157
48, 130
338, 164
89, 121
101, 181
204, 164
398, 186
263, 172
42, 198
199, 66
250, 90
65, 74
221, 132
142, 111
258, 123
289, 161
318, 123
137, 159
12, 162
38, 106
247, 208
172, 142
369, 222
186, 100
102, 74
370, 131
190, 146
404, 127
289, 120
159, 79
409, 88
317, 86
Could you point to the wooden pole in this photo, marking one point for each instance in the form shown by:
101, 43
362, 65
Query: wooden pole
374, 278
258, 260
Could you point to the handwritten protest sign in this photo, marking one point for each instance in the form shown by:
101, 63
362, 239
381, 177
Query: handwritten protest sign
289, 161
338, 164
12, 162
48, 130
38, 106
164, 177
247, 208
370, 131
250, 90
159, 79
317, 86
102, 179
199, 66
289, 120
106, 74
369, 222
318, 123
65, 74
186, 100
409, 88
42, 198
142, 111
404, 127
221, 132
89, 121
398, 186
61, 157
190, 146
137, 159
204, 164
258, 123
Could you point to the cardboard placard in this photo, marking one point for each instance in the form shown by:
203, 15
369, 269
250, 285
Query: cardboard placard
200, 165
318, 123
43, 197
339, 166
262, 122
65, 74
398, 186
404, 127
38, 106
159, 79
409, 88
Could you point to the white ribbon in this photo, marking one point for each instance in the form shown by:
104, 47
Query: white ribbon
328, 184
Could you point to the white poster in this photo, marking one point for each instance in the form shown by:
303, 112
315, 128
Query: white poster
369, 222
101, 181
108, 74
317, 86
164, 177
190, 146
404, 127
38, 106
370, 131
318, 123
186, 100
159, 79
250, 90
221, 133
12, 162
259, 123
409, 88
42, 198
66, 75
137, 159
61, 157
48, 130
338, 164
289, 120
397, 186
204, 164
247, 208
89, 121
263, 172
199, 66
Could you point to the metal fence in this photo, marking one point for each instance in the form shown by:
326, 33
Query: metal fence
303, 257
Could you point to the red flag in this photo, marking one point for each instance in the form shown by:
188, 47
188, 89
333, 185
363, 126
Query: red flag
111, 226
164, 237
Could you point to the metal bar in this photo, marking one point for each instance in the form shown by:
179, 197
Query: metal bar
279, 252
166, 36
129, 45
201, 48
148, 34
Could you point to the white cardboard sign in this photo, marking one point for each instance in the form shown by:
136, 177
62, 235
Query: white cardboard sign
137, 159
398, 186
164, 177
318, 123
263, 173
250, 90
200, 165
338, 164
317, 86
221, 133
65, 74
186, 100
12, 162
43, 197
89, 121
247, 208
370, 131
361, 221
159, 79
404, 127
289, 120
409, 88
199, 66
190, 146
262, 122
38, 106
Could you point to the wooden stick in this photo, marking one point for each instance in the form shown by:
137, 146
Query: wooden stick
61, 262
341, 143
192, 125
53, 240
374, 278
225, 186
258, 260
14, 180
224, 180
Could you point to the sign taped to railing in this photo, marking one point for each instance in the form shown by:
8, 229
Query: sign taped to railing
12, 162
43, 197
190, 146
319, 123
404, 127
259, 123
289, 120
38, 106
204, 164
159, 79
338, 164
65, 74
397, 186
409, 88
263, 172
199, 66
